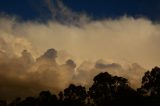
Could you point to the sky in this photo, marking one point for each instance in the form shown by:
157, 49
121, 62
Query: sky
97, 9
48, 44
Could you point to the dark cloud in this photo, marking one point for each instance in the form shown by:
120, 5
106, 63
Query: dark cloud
12, 87
71, 63
50, 54
103, 66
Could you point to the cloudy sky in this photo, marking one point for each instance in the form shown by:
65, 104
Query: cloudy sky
48, 44
98, 9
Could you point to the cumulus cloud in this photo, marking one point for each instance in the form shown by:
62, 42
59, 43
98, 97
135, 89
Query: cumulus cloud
129, 39
87, 70
23, 76
121, 46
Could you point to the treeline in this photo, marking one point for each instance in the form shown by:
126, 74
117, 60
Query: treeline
107, 90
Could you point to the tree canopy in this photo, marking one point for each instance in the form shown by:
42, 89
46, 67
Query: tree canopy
106, 90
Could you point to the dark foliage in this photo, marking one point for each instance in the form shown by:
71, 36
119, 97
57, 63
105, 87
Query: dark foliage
75, 95
110, 90
107, 90
150, 88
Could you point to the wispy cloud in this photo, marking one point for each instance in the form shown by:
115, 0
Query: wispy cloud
63, 14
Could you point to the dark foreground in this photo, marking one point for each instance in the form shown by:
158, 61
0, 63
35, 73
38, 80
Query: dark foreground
107, 90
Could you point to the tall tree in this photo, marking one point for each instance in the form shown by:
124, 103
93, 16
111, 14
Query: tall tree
151, 83
47, 99
107, 88
75, 95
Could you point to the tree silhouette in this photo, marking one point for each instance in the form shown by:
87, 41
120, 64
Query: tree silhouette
47, 99
151, 83
107, 88
150, 88
3, 103
29, 101
16, 102
100, 91
75, 95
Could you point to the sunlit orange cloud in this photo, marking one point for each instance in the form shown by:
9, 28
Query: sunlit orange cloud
125, 47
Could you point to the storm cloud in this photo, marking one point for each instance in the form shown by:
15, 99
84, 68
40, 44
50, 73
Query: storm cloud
38, 56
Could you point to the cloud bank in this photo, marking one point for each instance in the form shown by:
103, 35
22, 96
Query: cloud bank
125, 47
